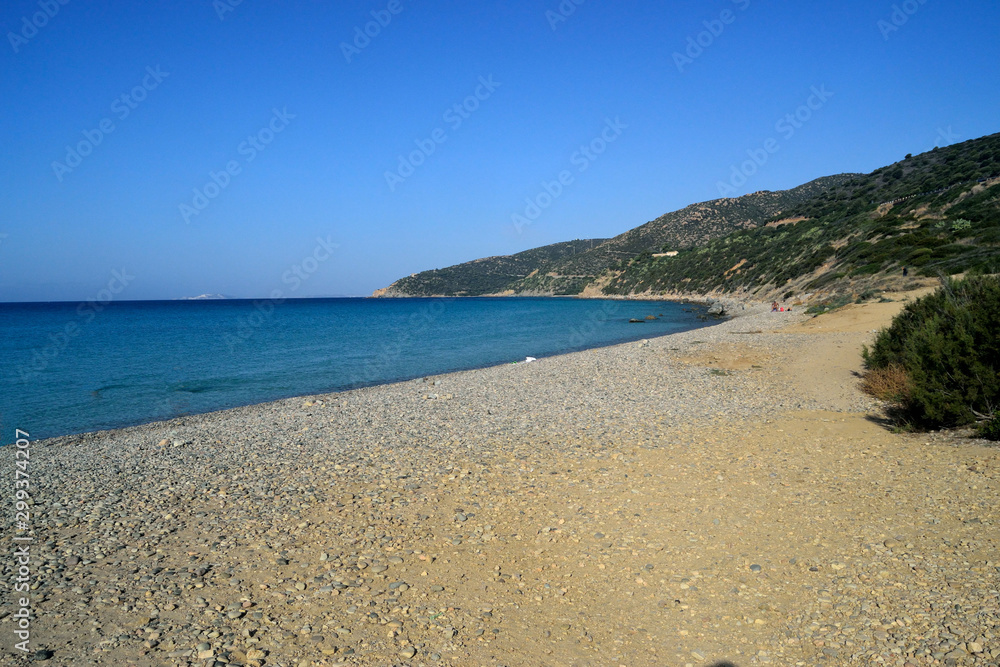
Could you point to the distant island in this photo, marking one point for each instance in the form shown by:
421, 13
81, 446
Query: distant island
933, 214
203, 297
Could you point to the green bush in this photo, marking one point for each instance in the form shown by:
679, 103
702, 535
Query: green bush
947, 343
961, 224
990, 430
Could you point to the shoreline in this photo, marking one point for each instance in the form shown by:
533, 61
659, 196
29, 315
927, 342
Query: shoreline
717, 494
335, 392
671, 298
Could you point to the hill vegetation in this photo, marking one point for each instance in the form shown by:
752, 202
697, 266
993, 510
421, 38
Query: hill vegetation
938, 364
562, 269
934, 214
691, 226
490, 275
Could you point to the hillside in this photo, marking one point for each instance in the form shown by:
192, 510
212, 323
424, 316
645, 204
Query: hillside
490, 275
936, 214
689, 227
567, 269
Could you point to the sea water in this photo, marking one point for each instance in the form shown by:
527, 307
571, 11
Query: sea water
71, 368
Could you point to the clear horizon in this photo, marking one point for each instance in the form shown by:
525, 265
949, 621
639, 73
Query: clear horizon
238, 148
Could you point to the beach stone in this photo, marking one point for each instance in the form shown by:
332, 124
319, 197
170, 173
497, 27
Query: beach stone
407, 652
543, 471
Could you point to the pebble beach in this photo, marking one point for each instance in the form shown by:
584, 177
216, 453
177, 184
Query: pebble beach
720, 496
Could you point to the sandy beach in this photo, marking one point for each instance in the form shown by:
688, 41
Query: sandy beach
721, 495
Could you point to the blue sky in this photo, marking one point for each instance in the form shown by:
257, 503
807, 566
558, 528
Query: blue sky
261, 106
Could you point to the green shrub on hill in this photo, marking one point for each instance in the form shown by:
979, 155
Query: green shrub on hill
933, 214
962, 235
990, 429
948, 347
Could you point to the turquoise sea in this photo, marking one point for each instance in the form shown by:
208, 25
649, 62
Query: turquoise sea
70, 368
